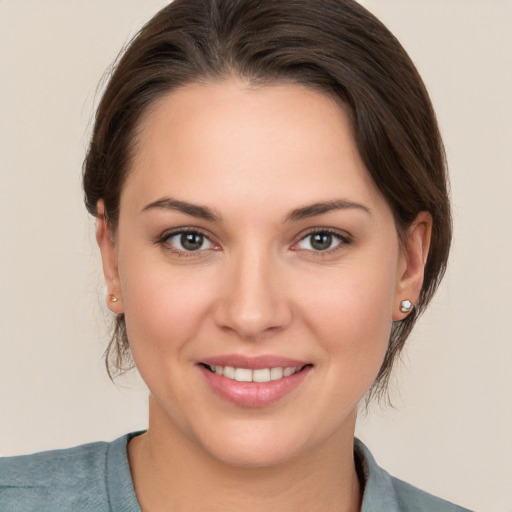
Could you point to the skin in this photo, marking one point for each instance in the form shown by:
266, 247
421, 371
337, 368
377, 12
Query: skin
256, 286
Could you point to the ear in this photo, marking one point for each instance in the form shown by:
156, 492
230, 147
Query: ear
107, 246
412, 263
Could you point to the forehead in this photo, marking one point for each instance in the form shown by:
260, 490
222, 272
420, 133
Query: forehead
206, 141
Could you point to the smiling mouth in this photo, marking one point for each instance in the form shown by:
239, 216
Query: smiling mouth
258, 375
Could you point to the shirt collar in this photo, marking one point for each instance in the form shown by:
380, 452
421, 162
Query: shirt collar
379, 493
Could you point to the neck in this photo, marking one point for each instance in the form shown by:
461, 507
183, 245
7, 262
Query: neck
170, 472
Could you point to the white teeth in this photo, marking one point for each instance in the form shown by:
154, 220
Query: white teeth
228, 372
276, 373
262, 375
243, 375
259, 375
288, 371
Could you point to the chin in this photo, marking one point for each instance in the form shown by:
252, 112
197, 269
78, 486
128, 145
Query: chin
255, 456
256, 446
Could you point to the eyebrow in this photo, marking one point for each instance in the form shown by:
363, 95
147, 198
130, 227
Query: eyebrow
168, 203
314, 209
304, 212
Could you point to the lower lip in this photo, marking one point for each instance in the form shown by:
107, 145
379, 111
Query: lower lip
253, 394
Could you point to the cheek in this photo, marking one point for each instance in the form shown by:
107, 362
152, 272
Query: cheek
351, 315
162, 308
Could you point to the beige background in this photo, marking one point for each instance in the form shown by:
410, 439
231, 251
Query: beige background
451, 430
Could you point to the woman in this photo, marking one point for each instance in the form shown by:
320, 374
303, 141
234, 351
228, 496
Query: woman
270, 192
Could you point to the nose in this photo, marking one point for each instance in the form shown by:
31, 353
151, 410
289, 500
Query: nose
253, 301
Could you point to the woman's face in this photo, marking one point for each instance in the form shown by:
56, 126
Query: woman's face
251, 240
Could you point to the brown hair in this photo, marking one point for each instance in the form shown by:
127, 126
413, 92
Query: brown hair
335, 46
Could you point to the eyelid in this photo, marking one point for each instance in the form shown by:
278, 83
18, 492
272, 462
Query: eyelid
162, 240
344, 237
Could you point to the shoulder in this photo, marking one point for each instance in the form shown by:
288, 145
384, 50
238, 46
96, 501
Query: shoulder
60, 480
412, 499
56, 466
385, 492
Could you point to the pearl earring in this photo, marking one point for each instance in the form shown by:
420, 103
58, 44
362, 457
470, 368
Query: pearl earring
406, 306
113, 298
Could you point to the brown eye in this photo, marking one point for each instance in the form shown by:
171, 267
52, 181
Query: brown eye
189, 241
322, 241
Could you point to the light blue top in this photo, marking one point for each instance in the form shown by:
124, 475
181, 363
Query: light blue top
96, 477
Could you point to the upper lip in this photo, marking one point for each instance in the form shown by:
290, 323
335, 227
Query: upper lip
253, 363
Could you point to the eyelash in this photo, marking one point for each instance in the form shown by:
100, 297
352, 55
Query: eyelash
163, 241
343, 239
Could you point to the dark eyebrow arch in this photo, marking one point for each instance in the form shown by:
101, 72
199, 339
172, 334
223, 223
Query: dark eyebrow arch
168, 203
322, 207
